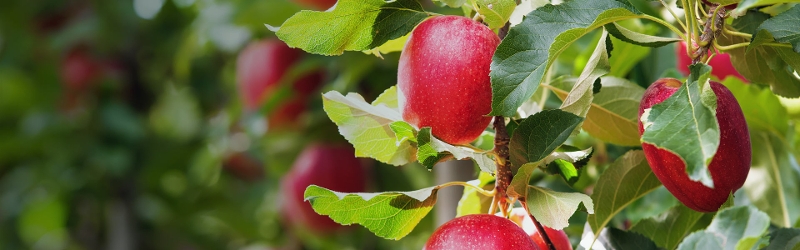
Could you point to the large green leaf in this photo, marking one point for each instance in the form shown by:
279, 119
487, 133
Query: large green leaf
668, 229
732, 228
579, 99
353, 25
612, 117
368, 127
612, 238
686, 124
782, 28
626, 180
784, 238
432, 150
391, 215
526, 53
747, 4
539, 135
495, 12
553, 208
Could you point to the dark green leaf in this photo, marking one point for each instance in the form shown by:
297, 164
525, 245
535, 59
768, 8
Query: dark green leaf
783, 28
353, 25
624, 34
432, 150
390, 215
732, 228
668, 229
784, 238
539, 135
612, 238
526, 53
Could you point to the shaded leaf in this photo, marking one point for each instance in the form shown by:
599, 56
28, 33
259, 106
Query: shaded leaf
612, 238
668, 229
553, 208
626, 180
630, 36
782, 28
732, 228
579, 99
390, 215
540, 134
432, 150
784, 238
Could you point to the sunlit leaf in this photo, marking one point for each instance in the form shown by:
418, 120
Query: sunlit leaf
579, 99
552, 208
612, 238
496, 12
431, 150
732, 228
473, 202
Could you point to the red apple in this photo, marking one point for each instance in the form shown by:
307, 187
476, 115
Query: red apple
79, 69
317, 4
334, 167
260, 67
728, 168
479, 231
558, 237
721, 64
444, 75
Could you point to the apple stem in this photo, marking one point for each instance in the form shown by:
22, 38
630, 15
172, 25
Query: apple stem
711, 29
503, 177
539, 226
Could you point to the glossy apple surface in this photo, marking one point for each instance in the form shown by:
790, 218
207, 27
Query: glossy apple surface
728, 168
334, 167
720, 64
479, 231
444, 76
558, 237
259, 69
317, 4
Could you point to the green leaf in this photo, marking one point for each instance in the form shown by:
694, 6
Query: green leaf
759, 64
579, 99
524, 56
473, 202
747, 4
626, 180
369, 127
784, 238
686, 124
390, 215
390, 46
563, 164
539, 135
553, 208
630, 36
668, 229
612, 117
732, 228
782, 28
627, 55
433, 150
353, 25
723, 2
452, 3
612, 238
496, 12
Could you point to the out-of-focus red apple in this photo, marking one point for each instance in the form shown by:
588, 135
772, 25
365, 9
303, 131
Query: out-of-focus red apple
317, 4
334, 167
444, 76
479, 231
720, 64
79, 69
728, 7
558, 237
728, 168
244, 167
261, 66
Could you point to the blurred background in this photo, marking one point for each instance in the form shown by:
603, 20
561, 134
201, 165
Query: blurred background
185, 124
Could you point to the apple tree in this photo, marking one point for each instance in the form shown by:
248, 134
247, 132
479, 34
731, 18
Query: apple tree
553, 103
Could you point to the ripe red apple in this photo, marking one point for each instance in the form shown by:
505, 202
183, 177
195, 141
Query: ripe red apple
261, 66
479, 231
317, 4
558, 237
444, 75
334, 167
79, 69
721, 64
728, 168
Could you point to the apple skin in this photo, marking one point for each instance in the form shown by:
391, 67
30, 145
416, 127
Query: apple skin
317, 4
721, 64
334, 167
728, 168
260, 67
79, 70
479, 231
444, 76
558, 237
